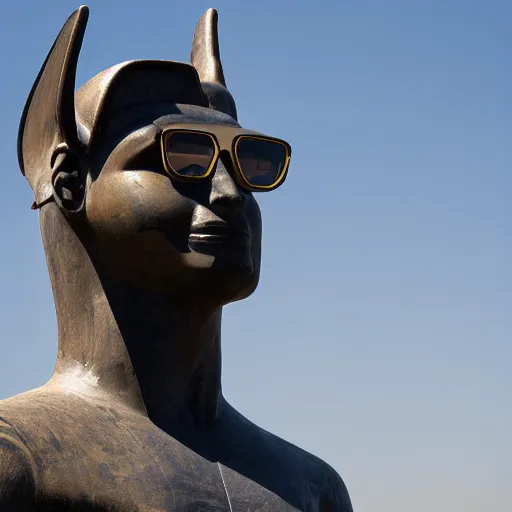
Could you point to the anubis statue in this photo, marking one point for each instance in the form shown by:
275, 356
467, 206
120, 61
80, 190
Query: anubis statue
144, 182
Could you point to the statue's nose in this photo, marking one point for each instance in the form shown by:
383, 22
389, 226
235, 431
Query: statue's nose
224, 189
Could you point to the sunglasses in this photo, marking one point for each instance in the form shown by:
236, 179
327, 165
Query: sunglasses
191, 151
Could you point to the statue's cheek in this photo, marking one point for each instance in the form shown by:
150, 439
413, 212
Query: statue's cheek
123, 203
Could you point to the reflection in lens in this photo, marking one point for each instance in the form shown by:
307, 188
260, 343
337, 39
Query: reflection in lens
188, 153
261, 161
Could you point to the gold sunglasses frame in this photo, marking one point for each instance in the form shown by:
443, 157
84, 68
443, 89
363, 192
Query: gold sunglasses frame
225, 138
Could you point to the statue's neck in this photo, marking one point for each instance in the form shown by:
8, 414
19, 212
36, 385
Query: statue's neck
146, 350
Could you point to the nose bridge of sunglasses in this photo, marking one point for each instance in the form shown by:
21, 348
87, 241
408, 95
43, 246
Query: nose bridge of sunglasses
225, 135
226, 160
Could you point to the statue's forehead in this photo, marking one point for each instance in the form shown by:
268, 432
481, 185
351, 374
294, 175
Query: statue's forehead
157, 115
194, 114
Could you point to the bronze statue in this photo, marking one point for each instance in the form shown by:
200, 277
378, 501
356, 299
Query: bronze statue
144, 182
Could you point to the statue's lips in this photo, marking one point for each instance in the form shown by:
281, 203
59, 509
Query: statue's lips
216, 233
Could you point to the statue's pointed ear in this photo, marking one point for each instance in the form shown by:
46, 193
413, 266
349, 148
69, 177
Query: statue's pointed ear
205, 54
205, 57
48, 120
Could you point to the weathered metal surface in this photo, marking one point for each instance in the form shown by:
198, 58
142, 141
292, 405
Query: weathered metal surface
133, 418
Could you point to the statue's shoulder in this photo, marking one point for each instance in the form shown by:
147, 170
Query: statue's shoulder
30, 408
17, 468
323, 483
333, 492
319, 482
36, 417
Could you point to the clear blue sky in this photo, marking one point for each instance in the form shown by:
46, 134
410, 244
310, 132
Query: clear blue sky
380, 335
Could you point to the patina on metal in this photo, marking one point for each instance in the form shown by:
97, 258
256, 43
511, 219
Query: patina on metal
141, 265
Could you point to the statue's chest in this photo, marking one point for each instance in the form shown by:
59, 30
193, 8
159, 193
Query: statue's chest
182, 480
150, 472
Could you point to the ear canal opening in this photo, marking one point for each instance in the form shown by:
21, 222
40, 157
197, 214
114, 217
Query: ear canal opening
68, 181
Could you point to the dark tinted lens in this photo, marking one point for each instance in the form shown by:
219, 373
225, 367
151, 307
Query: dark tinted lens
261, 161
189, 154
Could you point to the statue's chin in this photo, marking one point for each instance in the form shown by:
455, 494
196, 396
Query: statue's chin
226, 280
